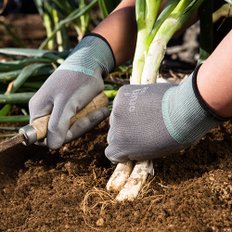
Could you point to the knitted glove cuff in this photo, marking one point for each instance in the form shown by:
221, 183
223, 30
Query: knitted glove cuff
203, 104
186, 116
93, 55
104, 39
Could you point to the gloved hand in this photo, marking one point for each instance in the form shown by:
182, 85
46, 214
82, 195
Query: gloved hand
151, 121
72, 86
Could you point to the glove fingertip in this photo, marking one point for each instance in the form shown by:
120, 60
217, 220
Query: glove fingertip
55, 140
114, 155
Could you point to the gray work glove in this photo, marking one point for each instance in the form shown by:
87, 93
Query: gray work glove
72, 86
151, 121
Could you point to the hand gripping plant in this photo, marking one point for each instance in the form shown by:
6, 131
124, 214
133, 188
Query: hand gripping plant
154, 32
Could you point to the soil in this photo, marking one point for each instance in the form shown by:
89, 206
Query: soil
64, 190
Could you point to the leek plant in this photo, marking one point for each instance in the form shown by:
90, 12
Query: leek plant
155, 35
22, 75
106, 6
154, 32
60, 16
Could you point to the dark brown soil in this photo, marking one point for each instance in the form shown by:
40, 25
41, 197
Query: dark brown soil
64, 190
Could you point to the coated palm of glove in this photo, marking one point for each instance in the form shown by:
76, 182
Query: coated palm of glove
72, 86
151, 121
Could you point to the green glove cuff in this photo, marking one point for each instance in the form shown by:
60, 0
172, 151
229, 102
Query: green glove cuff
185, 114
92, 55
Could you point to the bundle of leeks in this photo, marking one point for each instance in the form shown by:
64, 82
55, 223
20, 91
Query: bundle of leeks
154, 32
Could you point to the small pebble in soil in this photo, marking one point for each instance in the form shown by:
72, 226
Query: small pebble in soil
100, 222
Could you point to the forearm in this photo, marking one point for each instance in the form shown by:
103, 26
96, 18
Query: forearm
119, 29
215, 78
